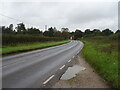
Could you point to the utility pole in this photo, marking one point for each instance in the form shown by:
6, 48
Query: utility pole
45, 27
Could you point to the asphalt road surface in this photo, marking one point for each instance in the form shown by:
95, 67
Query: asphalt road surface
36, 68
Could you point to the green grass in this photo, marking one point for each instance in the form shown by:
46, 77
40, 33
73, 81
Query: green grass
103, 56
30, 46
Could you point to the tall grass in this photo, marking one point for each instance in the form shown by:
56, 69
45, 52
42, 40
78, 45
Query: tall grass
102, 54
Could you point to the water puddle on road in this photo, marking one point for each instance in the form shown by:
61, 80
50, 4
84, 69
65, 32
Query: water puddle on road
71, 72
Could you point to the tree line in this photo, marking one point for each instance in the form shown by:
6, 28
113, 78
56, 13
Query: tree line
91, 33
22, 30
53, 32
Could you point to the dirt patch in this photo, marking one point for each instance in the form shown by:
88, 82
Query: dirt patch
87, 78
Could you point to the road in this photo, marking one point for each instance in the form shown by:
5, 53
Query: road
36, 68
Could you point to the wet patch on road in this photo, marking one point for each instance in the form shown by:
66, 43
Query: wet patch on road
80, 75
71, 72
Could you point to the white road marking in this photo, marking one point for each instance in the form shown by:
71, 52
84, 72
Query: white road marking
62, 67
48, 79
69, 60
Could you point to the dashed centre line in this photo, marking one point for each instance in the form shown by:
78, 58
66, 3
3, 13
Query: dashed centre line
62, 67
69, 60
48, 79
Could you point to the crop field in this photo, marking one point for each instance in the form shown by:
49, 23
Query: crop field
12, 40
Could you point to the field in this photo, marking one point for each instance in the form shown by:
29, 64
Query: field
13, 40
29, 46
16, 43
102, 53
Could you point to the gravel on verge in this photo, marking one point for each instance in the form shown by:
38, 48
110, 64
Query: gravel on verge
87, 78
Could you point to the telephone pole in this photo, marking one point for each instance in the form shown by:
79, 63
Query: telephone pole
45, 27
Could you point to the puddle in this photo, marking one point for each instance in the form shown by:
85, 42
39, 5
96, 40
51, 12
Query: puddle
71, 72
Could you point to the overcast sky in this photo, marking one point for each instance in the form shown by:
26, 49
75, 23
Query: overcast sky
73, 15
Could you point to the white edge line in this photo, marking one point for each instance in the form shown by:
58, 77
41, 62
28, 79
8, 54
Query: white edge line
48, 79
62, 67
69, 60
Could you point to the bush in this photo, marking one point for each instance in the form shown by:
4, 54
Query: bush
115, 36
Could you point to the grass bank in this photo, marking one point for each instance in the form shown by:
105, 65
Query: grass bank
102, 54
6, 50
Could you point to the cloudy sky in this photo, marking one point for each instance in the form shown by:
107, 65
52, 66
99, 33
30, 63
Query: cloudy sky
73, 15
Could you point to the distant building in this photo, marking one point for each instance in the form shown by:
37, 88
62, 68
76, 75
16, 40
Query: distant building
72, 37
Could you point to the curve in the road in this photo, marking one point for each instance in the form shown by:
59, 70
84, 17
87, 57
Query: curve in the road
32, 69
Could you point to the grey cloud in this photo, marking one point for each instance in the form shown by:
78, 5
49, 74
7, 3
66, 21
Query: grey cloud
63, 14
93, 11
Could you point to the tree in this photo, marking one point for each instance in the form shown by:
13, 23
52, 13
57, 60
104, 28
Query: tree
118, 31
34, 31
78, 34
58, 34
64, 29
11, 27
3, 29
51, 32
65, 33
87, 33
107, 32
46, 33
21, 28
72, 33
8, 30
96, 32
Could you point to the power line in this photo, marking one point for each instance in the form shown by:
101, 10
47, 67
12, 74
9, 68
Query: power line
15, 19
10, 17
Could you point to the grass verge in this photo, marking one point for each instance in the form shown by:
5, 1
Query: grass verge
6, 50
105, 61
